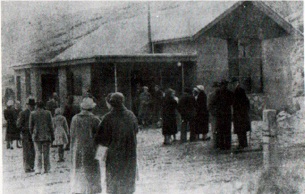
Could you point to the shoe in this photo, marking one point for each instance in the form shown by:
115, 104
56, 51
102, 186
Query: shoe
61, 160
37, 173
207, 139
12, 148
29, 171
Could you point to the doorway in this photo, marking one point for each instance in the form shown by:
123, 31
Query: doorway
49, 84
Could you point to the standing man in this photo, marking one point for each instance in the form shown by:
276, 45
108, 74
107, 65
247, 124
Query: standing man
52, 104
41, 128
202, 116
213, 109
241, 119
145, 100
220, 106
157, 100
27, 143
187, 110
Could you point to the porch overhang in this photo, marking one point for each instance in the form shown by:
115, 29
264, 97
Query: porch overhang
138, 58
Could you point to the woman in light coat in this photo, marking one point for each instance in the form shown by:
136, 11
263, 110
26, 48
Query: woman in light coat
85, 172
61, 133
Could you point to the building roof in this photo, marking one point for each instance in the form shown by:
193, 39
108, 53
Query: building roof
125, 32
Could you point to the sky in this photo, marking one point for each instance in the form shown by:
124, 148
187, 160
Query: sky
23, 9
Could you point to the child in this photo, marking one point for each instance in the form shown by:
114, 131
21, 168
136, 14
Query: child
60, 131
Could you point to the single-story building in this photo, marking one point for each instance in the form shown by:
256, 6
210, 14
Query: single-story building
199, 44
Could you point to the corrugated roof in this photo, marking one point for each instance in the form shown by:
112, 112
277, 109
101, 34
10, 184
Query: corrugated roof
123, 31
130, 36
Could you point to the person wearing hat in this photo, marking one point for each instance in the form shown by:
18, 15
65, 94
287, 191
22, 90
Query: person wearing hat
241, 118
169, 107
12, 131
145, 100
117, 132
42, 132
85, 170
187, 110
27, 143
52, 104
202, 114
220, 108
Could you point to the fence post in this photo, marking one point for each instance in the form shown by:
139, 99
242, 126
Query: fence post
270, 150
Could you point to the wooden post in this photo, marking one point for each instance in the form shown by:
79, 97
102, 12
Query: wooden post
115, 78
270, 150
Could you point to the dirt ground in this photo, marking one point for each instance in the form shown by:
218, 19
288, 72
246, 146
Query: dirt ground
178, 168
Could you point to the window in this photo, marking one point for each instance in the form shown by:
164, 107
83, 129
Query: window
28, 82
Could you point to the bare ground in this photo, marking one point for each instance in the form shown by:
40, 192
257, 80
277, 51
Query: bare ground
178, 168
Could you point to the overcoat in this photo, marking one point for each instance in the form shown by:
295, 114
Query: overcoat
85, 172
12, 131
145, 100
117, 131
202, 116
241, 108
169, 126
220, 107
187, 107
41, 126
61, 130
27, 143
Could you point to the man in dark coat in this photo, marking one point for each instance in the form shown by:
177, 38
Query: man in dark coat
220, 107
169, 126
42, 132
187, 110
52, 104
27, 143
212, 108
144, 111
118, 131
202, 114
241, 119
12, 131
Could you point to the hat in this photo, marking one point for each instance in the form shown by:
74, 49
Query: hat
58, 111
224, 82
200, 88
196, 89
215, 84
234, 79
188, 90
10, 103
145, 87
87, 103
31, 101
117, 99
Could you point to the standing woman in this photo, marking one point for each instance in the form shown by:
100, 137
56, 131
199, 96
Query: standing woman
117, 131
61, 130
85, 173
169, 107
241, 119
12, 132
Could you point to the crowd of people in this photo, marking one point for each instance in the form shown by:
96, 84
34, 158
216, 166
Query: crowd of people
76, 128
